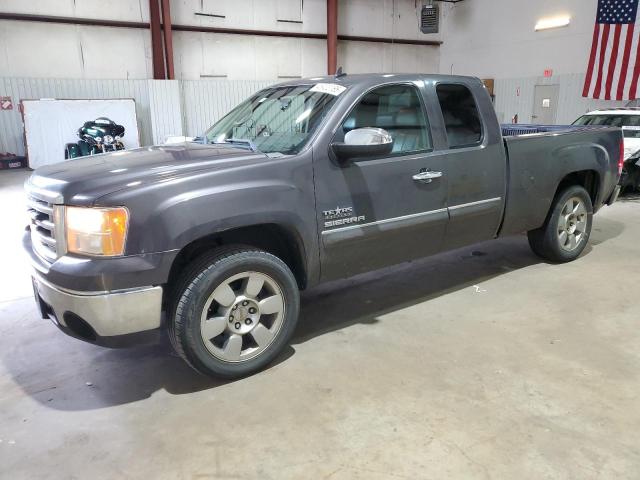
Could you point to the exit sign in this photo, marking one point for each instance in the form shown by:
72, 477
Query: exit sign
548, 73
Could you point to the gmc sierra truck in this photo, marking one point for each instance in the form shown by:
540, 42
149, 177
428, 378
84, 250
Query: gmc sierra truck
305, 182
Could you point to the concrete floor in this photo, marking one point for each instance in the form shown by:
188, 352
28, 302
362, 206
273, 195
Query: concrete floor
480, 363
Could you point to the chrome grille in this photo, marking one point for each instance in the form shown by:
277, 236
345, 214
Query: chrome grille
43, 228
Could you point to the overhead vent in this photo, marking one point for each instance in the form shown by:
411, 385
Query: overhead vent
429, 19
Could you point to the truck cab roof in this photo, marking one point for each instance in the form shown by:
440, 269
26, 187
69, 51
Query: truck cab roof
373, 79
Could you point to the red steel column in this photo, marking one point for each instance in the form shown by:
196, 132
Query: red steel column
156, 40
332, 36
168, 38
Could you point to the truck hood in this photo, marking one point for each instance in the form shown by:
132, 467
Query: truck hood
81, 181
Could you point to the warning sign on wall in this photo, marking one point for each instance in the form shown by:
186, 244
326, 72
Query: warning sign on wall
6, 103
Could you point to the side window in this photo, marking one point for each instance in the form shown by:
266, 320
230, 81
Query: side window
397, 109
461, 116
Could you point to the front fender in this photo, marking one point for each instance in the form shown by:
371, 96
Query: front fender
193, 215
187, 216
169, 212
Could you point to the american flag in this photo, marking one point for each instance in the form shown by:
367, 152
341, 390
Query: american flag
614, 63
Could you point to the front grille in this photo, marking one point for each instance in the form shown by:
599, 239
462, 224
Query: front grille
43, 228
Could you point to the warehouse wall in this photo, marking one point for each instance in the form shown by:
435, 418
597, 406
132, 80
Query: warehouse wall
68, 51
12, 128
515, 96
496, 38
163, 107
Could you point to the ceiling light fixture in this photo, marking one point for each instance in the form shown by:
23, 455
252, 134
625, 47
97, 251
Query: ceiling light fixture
553, 22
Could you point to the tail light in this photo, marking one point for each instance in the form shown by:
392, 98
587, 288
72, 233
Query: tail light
621, 158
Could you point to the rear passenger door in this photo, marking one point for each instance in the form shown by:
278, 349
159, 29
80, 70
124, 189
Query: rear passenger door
374, 212
476, 164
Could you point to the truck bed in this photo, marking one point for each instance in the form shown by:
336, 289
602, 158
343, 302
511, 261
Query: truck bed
517, 129
538, 161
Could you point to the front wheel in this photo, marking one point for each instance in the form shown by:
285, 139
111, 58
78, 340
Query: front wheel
235, 310
566, 231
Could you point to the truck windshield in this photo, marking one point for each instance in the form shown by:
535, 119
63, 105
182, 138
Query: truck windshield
275, 120
629, 123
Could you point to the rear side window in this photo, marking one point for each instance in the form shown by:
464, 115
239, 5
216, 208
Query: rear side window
461, 116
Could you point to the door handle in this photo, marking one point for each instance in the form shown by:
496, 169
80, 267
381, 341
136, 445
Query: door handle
426, 177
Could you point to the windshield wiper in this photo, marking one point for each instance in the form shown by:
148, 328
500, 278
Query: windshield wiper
239, 142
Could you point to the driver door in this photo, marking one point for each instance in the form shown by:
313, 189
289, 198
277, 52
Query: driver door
379, 211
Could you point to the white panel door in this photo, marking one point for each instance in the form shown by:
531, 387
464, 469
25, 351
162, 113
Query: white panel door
545, 104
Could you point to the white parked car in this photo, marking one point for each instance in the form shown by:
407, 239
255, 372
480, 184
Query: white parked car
626, 118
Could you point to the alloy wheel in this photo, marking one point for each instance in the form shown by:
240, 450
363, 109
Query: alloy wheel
572, 224
242, 316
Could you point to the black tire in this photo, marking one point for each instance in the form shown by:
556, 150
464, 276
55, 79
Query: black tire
199, 281
545, 241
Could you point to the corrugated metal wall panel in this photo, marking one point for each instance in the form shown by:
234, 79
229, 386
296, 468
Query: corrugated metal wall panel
10, 122
571, 104
11, 128
206, 101
163, 107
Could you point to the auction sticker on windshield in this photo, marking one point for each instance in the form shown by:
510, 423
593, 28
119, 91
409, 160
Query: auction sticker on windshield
330, 88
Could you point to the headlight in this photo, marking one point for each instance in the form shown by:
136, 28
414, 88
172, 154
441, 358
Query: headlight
108, 139
118, 138
98, 139
96, 231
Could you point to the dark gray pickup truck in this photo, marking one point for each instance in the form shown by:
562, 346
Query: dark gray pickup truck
305, 182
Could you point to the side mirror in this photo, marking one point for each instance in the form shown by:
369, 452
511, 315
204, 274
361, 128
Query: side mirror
363, 142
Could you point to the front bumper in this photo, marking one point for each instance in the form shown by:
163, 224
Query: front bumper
99, 317
112, 302
83, 274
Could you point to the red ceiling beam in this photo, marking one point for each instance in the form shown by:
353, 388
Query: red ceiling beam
332, 36
168, 38
156, 41
94, 22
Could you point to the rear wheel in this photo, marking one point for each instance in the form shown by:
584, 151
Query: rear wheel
566, 231
235, 310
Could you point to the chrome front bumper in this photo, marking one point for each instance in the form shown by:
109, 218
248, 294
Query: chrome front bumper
108, 314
